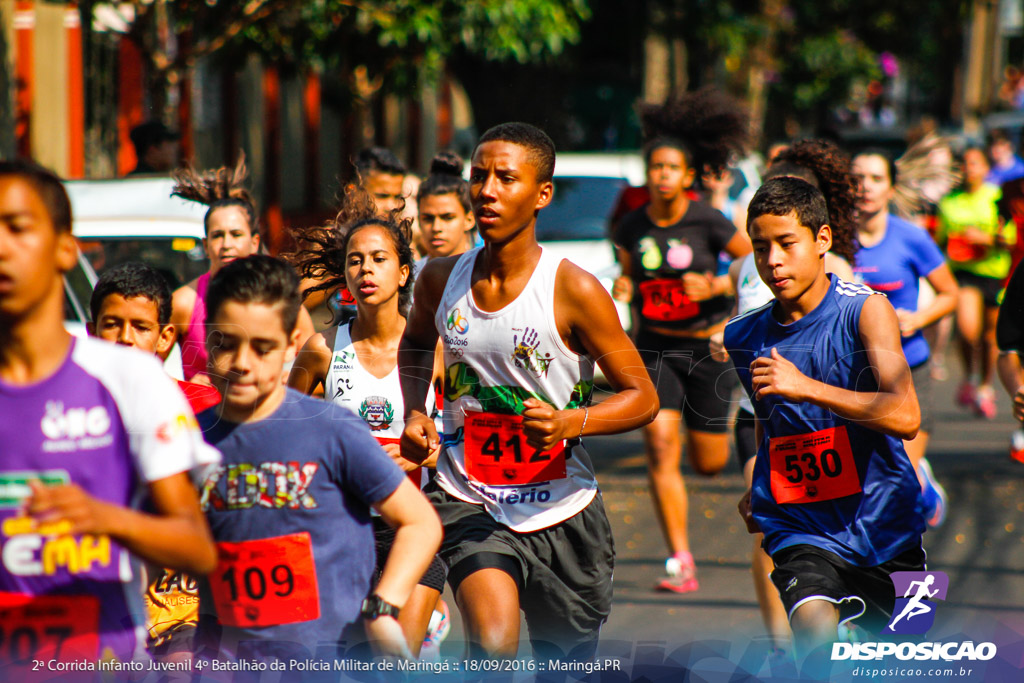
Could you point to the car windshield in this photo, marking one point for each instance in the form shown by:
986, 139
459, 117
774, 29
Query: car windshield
580, 209
180, 259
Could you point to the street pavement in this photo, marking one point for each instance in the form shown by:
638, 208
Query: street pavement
980, 547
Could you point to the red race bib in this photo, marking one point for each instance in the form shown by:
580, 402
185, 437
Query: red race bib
809, 468
266, 582
497, 453
63, 627
417, 476
665, 300
961, 251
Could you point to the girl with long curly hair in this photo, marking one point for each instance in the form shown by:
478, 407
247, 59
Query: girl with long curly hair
368, 254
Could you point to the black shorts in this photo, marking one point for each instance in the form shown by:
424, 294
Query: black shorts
990, 287
564, 572
745, 437
384, 537
689, 380
922, 377
806, 572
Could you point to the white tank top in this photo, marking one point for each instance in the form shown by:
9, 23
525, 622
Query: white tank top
751, 293
494, 360
377, 400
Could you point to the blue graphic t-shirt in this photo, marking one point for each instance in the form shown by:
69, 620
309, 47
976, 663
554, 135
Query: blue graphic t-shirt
290, 511
820, 479
894, 267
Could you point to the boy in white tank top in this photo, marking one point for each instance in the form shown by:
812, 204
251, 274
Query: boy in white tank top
525, 527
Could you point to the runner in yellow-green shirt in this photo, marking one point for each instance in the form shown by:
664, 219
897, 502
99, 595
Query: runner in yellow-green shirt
977, 244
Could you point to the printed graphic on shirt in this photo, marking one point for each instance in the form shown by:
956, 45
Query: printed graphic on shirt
525, 353
75, 428
271, 485
377, 412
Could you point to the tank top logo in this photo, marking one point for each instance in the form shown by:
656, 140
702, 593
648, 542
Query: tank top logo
457, 322
377, 412
525, 353
344, 360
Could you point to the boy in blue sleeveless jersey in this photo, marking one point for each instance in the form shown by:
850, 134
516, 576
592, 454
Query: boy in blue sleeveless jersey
289, 507
833, 490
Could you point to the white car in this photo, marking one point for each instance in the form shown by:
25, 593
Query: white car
133, 219
575, 224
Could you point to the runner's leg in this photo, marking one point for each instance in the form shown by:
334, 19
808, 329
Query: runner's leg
488, 600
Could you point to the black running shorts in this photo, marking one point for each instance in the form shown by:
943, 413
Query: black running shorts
805, 572
689, 380
564, 572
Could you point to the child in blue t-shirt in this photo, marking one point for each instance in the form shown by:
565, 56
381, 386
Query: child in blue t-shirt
833, 490
290, 505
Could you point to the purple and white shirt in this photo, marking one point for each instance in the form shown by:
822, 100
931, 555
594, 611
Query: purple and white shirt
111, 421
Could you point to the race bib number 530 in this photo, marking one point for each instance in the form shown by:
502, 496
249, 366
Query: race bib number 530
266, 582
809, 468
497, 453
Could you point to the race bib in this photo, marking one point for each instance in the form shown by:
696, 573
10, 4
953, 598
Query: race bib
809, 468
417, 476
497, 453
664, 300
266, 582
63, 627
961, 251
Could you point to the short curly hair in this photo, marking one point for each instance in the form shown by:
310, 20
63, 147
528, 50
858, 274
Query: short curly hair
827, 167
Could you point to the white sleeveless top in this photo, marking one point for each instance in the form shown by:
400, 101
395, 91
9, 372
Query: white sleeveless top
377, 400
751, 293
494, 360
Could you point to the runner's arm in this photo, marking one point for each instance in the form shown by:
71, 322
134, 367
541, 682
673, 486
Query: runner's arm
587, 318
417, 539
942, 281
176, 536
892, 409
416, 360
311, 365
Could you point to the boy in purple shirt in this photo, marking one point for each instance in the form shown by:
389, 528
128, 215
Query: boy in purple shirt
87, 431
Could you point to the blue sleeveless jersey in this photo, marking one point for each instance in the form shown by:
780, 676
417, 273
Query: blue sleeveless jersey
882, 517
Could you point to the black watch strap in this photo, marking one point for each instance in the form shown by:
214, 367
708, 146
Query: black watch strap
375, 606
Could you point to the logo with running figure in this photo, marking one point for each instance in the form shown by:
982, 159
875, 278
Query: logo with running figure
377, 412
456, 321
914, 612
525, 354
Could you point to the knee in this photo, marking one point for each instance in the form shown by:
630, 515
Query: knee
708, 467
495, 638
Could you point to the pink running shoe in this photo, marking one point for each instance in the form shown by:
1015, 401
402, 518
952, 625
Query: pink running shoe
985, 403
965, 395
682, 574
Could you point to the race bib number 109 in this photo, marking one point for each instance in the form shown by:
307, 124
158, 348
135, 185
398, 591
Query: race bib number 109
266, 582
809, 468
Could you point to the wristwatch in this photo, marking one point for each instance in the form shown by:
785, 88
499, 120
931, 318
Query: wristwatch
375, 606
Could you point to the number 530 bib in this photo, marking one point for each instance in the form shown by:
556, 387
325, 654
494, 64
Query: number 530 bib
809, 468
497, 453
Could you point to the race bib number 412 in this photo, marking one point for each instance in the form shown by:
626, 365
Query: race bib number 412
810, 468
497, 452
